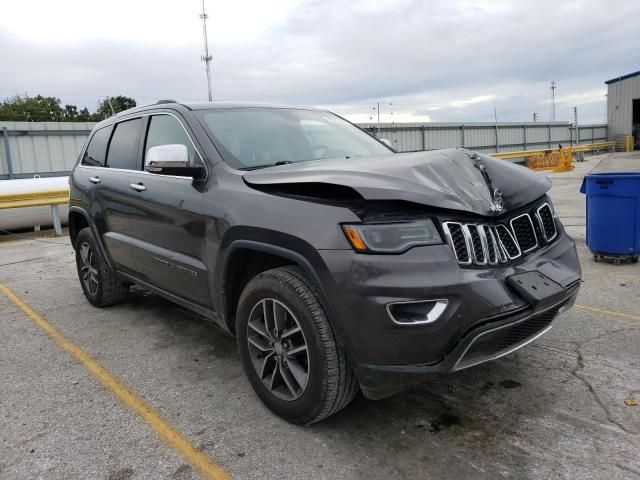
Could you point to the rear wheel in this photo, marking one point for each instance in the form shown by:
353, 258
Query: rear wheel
288, 349
98, 281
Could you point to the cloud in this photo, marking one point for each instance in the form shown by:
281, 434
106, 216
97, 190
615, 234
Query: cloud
472, 100
438, 60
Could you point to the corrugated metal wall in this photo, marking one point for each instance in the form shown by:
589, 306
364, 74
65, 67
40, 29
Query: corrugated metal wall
484, 136
620, 97
51, 148
45, 148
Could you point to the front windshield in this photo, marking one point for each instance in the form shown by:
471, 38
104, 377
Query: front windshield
250, 138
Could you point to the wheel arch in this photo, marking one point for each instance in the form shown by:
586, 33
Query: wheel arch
314, 268
79, 218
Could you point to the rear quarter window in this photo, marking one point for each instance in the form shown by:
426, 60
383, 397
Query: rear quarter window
96, 151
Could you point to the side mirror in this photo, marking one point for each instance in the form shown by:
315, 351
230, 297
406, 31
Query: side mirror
171, 160
388, 143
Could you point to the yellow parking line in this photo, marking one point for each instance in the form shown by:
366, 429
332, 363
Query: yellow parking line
163, 429
608, 312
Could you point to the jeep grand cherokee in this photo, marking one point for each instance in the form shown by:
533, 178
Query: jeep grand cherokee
338, 264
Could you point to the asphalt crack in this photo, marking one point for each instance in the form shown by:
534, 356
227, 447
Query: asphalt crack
591, 389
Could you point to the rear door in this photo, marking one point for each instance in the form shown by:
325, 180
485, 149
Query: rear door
110, 159
167, 226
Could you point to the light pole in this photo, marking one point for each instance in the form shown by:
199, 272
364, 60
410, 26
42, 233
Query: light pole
206, 58
554, 85
377, 107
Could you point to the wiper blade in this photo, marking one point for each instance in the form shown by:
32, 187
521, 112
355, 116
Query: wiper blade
266, 165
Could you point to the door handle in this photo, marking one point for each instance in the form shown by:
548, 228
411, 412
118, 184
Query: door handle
138, 187
94, 179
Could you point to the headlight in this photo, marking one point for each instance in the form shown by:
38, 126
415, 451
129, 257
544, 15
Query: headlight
391, 237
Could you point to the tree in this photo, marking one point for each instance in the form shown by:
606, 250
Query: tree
118, 104
32, 109
70, 113
85, 116
23, 108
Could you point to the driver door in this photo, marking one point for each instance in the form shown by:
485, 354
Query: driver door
168, 227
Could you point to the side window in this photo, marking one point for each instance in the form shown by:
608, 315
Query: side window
123, 149
167, 130
95, 153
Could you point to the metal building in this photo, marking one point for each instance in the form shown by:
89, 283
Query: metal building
623, 106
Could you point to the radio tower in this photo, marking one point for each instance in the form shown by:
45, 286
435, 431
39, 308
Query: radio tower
553, 100
206, 58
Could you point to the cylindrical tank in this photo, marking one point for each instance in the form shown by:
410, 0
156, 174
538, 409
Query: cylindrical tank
22, 218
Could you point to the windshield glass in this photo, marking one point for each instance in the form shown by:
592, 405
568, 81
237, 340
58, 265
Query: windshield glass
250, 138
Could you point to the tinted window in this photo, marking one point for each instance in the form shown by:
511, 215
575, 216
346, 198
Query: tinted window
258, 137
167, 130
123, 149
97, 149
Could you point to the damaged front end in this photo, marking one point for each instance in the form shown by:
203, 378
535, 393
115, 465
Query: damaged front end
435, 279
455, 179
489, 211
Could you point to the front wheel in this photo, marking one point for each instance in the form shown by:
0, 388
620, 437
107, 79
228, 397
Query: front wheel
288, 349
98, 281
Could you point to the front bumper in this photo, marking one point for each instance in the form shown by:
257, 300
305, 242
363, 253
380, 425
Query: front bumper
485, 319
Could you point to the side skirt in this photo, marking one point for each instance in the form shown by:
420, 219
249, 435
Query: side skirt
200, 310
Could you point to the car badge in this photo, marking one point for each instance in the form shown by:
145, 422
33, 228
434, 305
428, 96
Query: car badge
497, 205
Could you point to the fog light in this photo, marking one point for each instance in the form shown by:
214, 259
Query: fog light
417, 313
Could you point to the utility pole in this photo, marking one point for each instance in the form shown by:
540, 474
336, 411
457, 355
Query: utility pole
206, 58
553, 100
575, 123
535, 117
495, 117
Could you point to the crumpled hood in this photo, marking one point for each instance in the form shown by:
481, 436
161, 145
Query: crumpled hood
451, 179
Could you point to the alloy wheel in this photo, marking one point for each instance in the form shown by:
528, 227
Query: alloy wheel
278, 349
88, 270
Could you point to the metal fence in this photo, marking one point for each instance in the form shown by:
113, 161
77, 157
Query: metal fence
40, 148
486, 137
51, 148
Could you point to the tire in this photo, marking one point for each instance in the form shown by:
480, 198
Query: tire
98, 281
289, 298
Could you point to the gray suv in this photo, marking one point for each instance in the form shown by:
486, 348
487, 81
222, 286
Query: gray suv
339, 265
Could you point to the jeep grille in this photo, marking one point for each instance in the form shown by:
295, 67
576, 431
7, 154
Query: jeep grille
503, 241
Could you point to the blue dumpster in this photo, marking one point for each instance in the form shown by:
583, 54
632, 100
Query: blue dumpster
613, 214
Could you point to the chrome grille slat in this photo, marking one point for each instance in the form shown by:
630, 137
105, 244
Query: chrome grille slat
479, 249
485, 244
524, 232
456, 237
508, 242
502, 255
545, 217
493, 250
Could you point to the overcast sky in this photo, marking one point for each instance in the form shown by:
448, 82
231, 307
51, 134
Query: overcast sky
433, 60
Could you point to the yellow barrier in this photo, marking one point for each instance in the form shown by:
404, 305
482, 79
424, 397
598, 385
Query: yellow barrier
577, 148
558, 160
34, 199
51, 197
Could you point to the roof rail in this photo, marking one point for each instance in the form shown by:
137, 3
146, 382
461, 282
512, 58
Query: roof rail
160, 102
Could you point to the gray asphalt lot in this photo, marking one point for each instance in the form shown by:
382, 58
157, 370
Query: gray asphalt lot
554, 409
